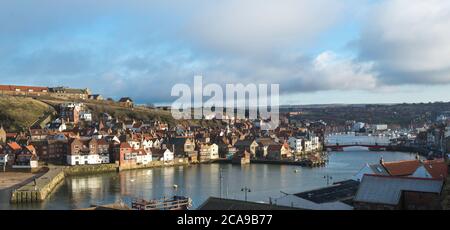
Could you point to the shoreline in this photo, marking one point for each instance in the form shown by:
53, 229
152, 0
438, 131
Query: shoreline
47, 182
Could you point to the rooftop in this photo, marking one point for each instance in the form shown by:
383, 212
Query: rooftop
340, 191
388, 189
214, 203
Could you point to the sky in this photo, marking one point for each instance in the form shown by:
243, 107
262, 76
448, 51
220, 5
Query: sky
318, 51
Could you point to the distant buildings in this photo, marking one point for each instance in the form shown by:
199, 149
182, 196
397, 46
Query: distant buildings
126, 102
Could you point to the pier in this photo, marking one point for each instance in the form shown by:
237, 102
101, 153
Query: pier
40, 188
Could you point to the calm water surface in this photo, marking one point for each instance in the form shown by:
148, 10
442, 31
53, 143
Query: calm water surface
202, 181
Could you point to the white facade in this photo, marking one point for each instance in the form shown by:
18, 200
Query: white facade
214, 151
381, 127
135, 144
105, 159
147, 144
91, 159
87, 116
296, 144
167, 156
3, 159
144, 159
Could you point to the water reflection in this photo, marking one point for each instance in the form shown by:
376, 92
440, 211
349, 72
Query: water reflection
202, 181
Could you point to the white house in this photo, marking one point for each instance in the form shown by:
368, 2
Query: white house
105, 158
296, 144
134, 144
3, 160
86, 159
144, 157
85, 115
163, 155
214, 148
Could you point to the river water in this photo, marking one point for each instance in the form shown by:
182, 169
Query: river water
202, 181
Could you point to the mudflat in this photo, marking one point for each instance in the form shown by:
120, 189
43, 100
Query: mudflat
16, 179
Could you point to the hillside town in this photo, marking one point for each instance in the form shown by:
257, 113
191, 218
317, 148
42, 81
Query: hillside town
76, 136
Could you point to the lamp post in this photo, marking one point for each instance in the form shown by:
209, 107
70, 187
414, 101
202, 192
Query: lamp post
246, 190
328, 178
221, 180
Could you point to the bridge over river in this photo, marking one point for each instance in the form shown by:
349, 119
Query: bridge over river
339, 146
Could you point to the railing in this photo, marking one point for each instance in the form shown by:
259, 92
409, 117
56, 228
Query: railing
164, 204
330, 144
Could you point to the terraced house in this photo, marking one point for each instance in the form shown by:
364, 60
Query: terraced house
87, 151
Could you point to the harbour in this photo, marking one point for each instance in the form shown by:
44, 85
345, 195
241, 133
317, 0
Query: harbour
199, 182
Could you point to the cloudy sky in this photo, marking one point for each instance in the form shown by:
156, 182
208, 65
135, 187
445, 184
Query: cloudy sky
319, 51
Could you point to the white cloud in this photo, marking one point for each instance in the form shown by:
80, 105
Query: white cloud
254, 26
409, 40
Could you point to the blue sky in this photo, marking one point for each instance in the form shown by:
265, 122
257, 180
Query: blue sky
319, 51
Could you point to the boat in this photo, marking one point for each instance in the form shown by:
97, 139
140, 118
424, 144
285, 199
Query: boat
377, 149
174, 203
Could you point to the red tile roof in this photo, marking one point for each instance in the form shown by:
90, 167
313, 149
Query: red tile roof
401, 168
23, 88
437, 168
125, 145
14, 146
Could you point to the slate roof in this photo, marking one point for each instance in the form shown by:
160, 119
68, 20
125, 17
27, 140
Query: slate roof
388, 190
214, 203
339, 191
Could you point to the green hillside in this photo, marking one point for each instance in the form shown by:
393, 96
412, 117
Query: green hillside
123, 113
19, 113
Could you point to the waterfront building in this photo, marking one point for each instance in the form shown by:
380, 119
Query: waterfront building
208, 152
181, 146
164, 155
87, 151
398, 193
241, 158
296, 144
417, 168
250, 145
143, 157
26, 158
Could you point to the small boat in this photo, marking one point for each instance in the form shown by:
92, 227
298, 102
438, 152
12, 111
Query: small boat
296, 170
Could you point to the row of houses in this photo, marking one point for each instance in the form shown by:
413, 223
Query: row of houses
16, 156
63, 92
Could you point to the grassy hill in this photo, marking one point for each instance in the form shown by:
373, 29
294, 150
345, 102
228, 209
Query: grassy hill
19, 113
123, 113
